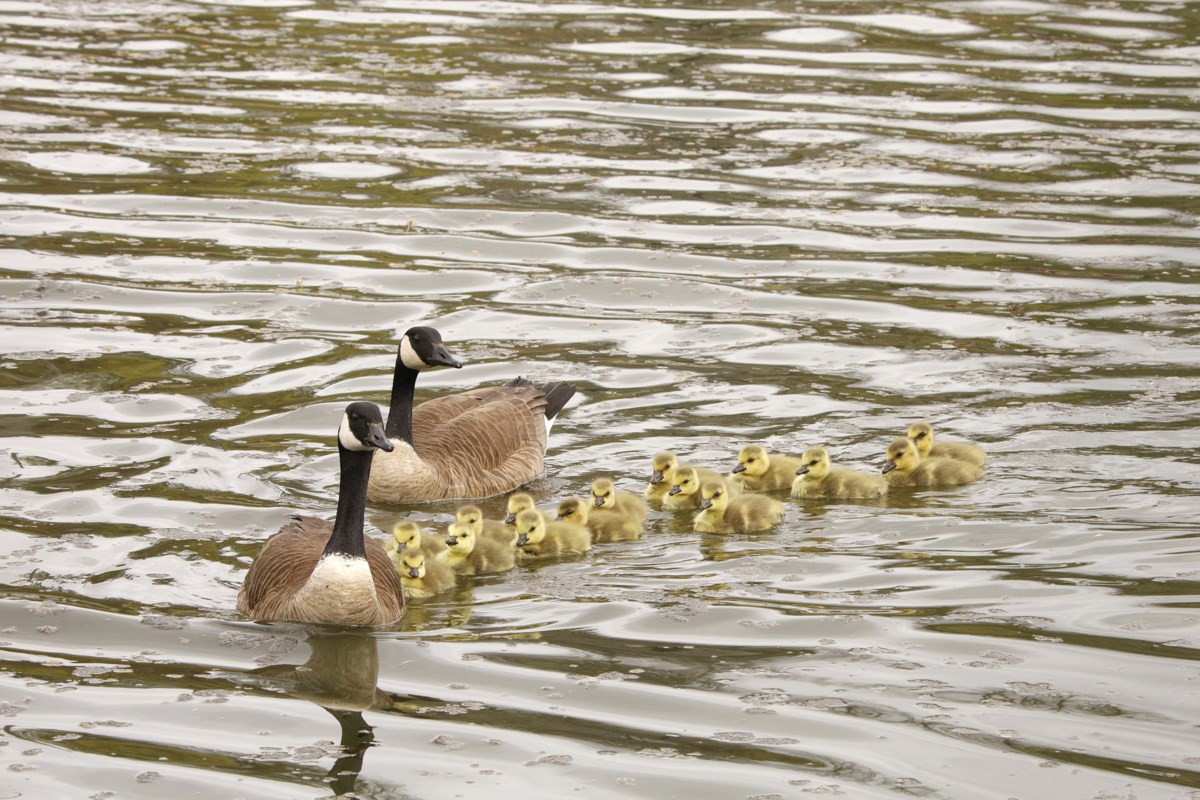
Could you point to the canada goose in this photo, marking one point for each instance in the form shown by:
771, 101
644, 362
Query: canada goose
318, 571
922, 435
521, 501
662, 475
405, 533
538, 538
760, 471
472, 554
615, 516
472, 444
472, 517
904, 467
817, 477
720, 513
421, 576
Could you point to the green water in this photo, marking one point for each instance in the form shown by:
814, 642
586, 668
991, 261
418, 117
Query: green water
726, 223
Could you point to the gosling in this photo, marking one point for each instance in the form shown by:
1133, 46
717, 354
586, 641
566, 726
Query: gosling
421, 576
760, 471
581, 512
473, 554
904, 467
521, 501
685, 493
663, 475
472, 517
537, 538
615, 516
921, 434
405, 533
720, 513
818, 478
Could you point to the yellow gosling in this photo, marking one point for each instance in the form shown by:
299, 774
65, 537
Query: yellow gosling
421, 576
583, 512
721, 513
406, 533
537, 538
472, 517
760, 471
574, 510
921, 434
521, 501
685, 492
818, 478
904, 467
662, 475
615, 516
473, 554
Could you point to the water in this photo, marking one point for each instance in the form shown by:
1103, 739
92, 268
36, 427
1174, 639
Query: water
727, 223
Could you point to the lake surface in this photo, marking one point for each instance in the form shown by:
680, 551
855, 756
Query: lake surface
727, 223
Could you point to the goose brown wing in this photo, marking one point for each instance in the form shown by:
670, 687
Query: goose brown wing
282, 566
485, 441
433, 414
388, 590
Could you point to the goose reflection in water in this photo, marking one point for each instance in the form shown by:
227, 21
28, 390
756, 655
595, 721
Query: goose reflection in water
341, 675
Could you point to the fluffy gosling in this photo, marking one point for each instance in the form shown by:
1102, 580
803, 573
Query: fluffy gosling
405, 533
537, 538
662, 475
472, 517
818, 478
904, 467
760, 471
685, 492
721, 513
615, 516
921, 434
421, 576
473, 554
521, 501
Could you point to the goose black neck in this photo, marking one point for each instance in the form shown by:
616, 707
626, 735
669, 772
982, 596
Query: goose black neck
347, 536
399, 421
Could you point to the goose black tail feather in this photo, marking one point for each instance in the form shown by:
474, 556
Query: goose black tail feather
557, 393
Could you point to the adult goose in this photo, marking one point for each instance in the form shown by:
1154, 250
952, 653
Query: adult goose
313, 570
469, 445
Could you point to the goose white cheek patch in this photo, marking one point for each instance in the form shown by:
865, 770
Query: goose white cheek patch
347, 438
409, 357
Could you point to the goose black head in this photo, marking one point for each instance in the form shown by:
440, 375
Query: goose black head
421, 348
362, 428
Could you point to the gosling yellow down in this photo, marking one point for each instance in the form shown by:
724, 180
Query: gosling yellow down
662, 475
472, 554
421, 576
685, 492
760, 471
578, 511
818, 478
615, 516
921, 434
472, 517
537, 538
518, 502
904, 467
405, 533
720, 513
